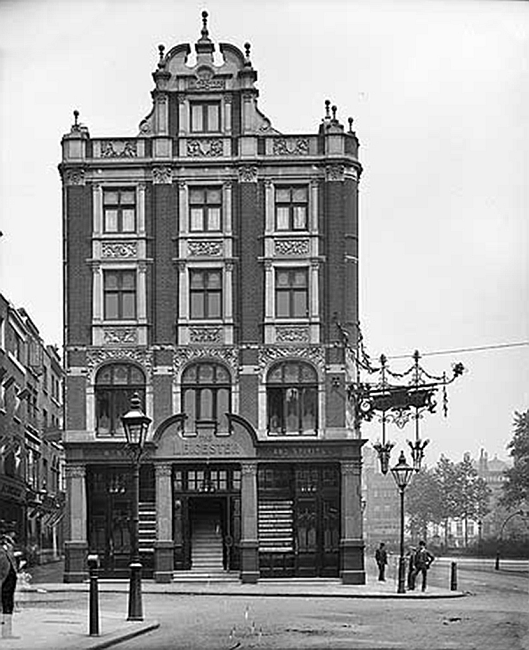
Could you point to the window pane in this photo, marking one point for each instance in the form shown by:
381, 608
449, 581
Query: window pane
214, 305
282, 304
299, 194
222, 375
308, 374
190, 375
127, 197
128, 280
206, 404
136, 376
275, 409
213, 218
197, 305
292, 410
291, 373
189, 409
299, 304
196, 117
102, 411
223, 407
111, 306
282, 218
111, 280
213, 196
128, 221
213, 117
196, 196
282, 195
276, 375
308, 415
120, 375
111, 220
205, 373
197, 280
104, 376
300, 218
129, 305
214, 280
282, 279
111, 198
196, 219
300, 279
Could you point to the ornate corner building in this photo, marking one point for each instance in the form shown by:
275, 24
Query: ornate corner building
205, 260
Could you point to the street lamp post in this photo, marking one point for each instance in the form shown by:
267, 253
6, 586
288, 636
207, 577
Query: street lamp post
135, 423
402, 473
500, 544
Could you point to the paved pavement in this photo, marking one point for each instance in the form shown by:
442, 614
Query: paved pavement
42, 627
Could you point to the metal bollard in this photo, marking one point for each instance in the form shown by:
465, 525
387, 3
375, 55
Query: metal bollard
93, 614
453, 576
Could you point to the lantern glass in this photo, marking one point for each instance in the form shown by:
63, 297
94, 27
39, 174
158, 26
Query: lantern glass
135, 423
402, 472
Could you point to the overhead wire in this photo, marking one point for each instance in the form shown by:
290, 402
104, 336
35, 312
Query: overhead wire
478, 348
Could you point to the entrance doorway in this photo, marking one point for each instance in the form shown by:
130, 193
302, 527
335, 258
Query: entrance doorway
207, 523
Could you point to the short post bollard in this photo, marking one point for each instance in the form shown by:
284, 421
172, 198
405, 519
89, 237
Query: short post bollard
93, 615
453, 576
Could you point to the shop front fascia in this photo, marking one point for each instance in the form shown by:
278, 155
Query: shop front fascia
312, 487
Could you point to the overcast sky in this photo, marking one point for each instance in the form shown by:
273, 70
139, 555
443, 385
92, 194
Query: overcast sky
440, 96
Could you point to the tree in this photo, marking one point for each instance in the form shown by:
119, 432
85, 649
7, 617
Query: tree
446, 473
516, 486
423, 502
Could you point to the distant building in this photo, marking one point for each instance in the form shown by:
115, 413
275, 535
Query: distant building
381, 503
31, 453
206, 258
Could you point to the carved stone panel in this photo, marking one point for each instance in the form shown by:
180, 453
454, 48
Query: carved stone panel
248, 174
290, 146
204, 248
270, 353
112, 335
292, 334
162, 175
208, 147
97, 356
118, 250
294, 247
335, 172
205, 334
119, 149
228, 355
74, 177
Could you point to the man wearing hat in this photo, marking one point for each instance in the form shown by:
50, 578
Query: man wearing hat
8, 580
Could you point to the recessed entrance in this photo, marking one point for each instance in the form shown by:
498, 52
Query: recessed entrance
207, 519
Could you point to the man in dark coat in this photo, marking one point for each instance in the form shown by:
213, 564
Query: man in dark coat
381, 558
8, 580
422, 561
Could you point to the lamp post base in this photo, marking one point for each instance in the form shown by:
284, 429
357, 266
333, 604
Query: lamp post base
135, 603
401, 589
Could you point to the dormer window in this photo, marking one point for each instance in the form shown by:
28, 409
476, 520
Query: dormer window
205, 117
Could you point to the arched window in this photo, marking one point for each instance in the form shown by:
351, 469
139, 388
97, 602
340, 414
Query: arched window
206, 396
116, 383
10, 464
292, 398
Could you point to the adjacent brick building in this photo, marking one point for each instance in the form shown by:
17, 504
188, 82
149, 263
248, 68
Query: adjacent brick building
205, 261
31, 453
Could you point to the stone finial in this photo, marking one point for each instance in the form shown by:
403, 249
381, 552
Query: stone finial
76, 126
350, 120
204, 32
161, 50
334, 109
327, 106
247, 48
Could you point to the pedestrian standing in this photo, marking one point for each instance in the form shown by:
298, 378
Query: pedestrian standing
422, 561
411, 567
381, 558
8, 580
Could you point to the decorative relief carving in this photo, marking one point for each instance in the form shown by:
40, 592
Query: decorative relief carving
75, 471
269, 354
97, 356
162, 175
291, 246
249, 469
163, 471
119, 149
228, 355
113, 335
119, 249
209, 147
248, 174
205, 334
293, 334
335, 172
290, 146
74, 177
204, 248
206, 81
351, 467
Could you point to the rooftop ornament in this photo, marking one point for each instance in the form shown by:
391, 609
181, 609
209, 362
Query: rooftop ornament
394, 397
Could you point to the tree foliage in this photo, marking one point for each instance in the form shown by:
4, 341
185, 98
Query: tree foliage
516, 486
423, 502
